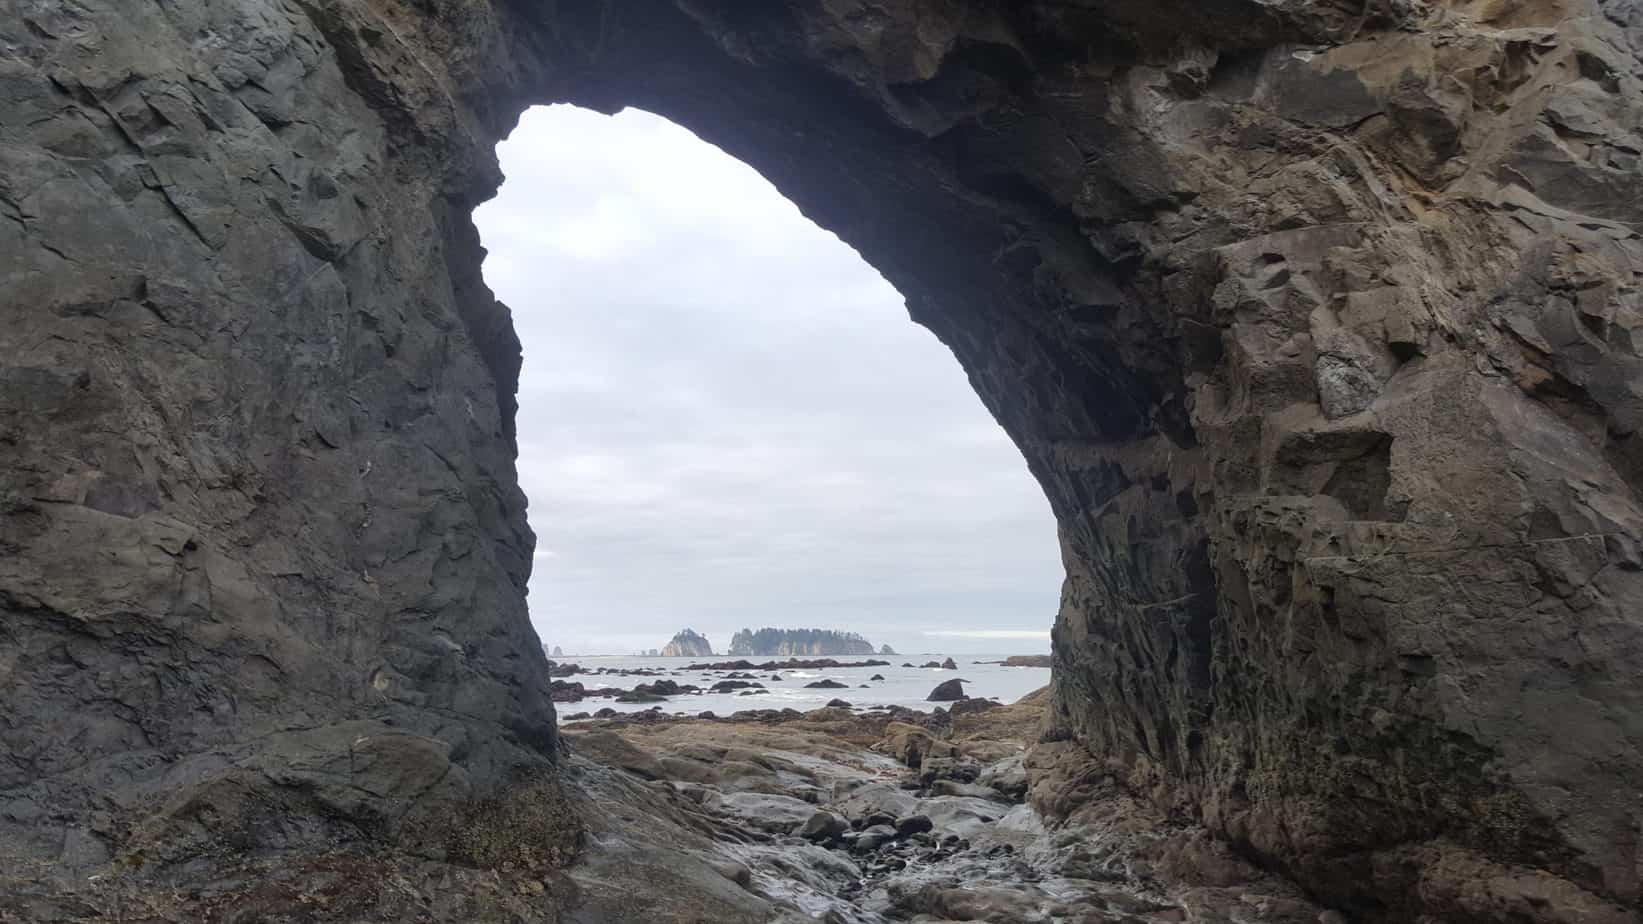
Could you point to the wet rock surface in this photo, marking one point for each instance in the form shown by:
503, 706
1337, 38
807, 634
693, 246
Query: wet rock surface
831, 829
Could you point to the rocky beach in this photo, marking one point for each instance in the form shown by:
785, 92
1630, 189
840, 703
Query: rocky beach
968, 814
603, 687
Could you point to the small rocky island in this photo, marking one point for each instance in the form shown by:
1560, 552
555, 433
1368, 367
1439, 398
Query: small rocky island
687, 644
770, 642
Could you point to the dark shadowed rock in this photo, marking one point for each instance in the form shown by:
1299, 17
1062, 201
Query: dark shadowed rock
910, 825
949, 665
947, 691
956, 769
971, 706
826, 684
838, 704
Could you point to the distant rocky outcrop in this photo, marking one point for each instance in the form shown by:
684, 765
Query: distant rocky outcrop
558, 652
886, 650
687, 644
788, 642
1028, 661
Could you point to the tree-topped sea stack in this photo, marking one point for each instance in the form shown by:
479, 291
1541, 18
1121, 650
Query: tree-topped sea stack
687, 644
788, 642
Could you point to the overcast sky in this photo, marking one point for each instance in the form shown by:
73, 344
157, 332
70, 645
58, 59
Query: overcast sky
726, 418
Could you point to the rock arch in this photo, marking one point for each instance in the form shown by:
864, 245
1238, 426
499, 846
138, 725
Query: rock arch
1317, 320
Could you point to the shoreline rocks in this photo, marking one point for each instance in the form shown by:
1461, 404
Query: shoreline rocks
811, 816
791, 664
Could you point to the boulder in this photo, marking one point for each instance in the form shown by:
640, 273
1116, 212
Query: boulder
967, 790
1008, 777
826, 684
958, 769
947, 691
661, 688
972, 705
822, 827
909, 825
875, 818
875, 837
911, 744
765, 811
949, 665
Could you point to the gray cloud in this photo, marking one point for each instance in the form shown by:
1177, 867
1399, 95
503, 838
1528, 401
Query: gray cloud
726, 418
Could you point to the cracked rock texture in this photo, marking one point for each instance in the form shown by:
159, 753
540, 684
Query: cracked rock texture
1318, 320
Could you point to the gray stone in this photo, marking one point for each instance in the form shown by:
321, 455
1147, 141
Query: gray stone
957, 769
822, 827
875, 837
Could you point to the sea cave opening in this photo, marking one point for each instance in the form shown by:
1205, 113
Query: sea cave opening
726, 420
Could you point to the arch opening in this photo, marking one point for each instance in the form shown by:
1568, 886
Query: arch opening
725, 420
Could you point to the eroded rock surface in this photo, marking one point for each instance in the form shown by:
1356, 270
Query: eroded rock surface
1317, 320
820, 825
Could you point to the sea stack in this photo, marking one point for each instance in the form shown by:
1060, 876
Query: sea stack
687, 644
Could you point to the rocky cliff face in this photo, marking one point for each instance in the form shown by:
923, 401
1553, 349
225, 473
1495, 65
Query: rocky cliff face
687, 644
1318, 320
797, 642
259, 525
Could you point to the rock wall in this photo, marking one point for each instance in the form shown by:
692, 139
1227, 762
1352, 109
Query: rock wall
1318, 320
260, 530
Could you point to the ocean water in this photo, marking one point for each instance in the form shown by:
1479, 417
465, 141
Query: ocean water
901, 686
